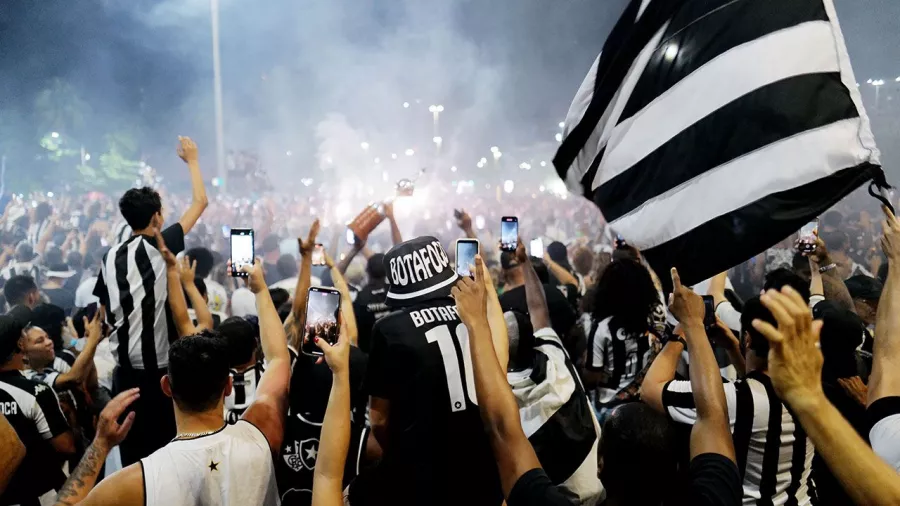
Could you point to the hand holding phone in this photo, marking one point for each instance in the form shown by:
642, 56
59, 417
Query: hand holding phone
709, 314
242, 251
808, 235
466, 249
323, 319
509, 233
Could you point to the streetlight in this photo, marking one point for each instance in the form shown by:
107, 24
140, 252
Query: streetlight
508, 186
438, 140
393, 156
87, 156
543, 164
55, 135
562, 124
558, 137
436, 111
410, 152
406, 105
494, 149
453, 169
217, 93
364, 145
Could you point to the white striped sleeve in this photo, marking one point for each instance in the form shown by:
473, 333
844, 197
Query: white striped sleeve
729, 315
678, 401
598, 343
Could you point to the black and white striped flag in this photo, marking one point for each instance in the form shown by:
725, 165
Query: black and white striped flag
708, 130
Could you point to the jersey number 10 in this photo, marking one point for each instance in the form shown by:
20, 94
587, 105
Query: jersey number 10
441, 336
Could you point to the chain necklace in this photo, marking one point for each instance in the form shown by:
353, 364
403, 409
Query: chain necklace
194, 435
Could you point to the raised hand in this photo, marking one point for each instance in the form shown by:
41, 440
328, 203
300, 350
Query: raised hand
187, 149
521, 252
795, 360
256, 281
93, 328
389, 210
464, 221
471, 295
188, 271
307, 246
685, 305
109, 431
337, 355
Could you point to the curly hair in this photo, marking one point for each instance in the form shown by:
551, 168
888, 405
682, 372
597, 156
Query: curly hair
625, 292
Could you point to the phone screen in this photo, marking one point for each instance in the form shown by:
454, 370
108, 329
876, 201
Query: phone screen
536, 248
226, 231
709, 315
509, 233
807, 241
318, 255
322, 319
241, 250
351, 238
466, 249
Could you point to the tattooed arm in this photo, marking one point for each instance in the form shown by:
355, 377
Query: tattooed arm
109, 434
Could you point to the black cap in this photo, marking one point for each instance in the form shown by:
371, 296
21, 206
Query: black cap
864, 287
11, 326
418, 270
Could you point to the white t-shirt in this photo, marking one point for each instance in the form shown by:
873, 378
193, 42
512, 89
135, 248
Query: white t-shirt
218, 296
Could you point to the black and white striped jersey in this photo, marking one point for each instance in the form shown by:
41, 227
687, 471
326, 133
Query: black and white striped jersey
621, 357
558, 420
773, 453
36, 231
22, 269
33, 411
132, 284
243, 388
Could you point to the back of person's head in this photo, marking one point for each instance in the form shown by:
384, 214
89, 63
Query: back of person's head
832, 220
754, 310
375, 267
521, 340
287, 267
583, 261
279, 296
842, 333
836, 240
779, 278
43, 211
558, 252
800, 265
271, 244
637, 442
626, 292
74, 259
198, 371
626, 252
204, 259
21, 290
52, 256
139, 205
24, 252
241, 337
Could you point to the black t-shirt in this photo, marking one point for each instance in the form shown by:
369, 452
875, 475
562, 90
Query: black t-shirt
534, 488
562, 313
310, 389
369, 307
828, 488
715, 481
437, 451
34, 413
61, 297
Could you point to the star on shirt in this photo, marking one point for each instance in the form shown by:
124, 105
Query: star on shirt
287, 449
213, 466
311, 453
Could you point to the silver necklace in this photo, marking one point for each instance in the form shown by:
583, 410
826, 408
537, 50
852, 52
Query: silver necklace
195, 435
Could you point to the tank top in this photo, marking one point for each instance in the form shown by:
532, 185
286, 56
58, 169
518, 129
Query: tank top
230, 467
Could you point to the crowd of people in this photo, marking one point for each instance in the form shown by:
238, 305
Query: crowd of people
135, 370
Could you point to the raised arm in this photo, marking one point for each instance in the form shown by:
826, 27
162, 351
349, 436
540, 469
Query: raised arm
396, 237
177, 302
661, 371
535, 296
304, 280
717, 288
348, 317
335, 439
358, 246
496, 403
885, 378
109, 434
795, 366
270, 407
188, 274
12, 455
83, 364
187, 150
833, 287
559, 272
711, 432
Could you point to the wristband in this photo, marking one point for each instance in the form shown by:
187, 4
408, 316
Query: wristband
826, 268
678, 339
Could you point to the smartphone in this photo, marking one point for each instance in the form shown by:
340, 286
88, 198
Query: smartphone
536, 248
620, 241
226, 231
351, 237
242, 250
709, 314
318, 255
323, 319
466, 249
807, 241
509, 233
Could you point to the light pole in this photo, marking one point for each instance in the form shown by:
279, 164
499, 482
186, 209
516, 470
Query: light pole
877, 84
217, 94
436, 111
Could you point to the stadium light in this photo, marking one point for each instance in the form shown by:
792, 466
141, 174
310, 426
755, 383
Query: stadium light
406, 105
562, 124
438, 139
543, 164
497, 155
393, 156
868, 81
879, 82
508, 186
453, 169
558, 137
87, 156
364, 145
898, 79
410, 152
436, 109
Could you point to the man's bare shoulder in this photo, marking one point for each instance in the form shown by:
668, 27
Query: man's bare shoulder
124, 487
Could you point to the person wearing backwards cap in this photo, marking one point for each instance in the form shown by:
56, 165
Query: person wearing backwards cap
423, 406
33, 411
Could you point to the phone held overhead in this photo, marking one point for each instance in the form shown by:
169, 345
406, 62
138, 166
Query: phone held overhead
323, 319
242, 250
